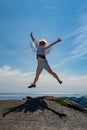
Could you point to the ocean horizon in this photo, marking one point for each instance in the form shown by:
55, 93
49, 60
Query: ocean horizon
19, 96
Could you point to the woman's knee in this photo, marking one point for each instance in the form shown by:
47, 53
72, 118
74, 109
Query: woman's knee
50, 71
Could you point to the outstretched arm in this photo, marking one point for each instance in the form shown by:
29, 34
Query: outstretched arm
33, 39
57, 41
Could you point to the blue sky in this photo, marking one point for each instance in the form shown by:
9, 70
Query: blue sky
48, 19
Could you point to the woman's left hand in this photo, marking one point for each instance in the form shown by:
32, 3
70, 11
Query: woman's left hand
59, 40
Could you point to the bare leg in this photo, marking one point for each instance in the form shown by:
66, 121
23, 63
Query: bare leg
37, 76
54, 75
35, 79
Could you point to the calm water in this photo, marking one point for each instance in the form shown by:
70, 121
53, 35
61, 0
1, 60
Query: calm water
13, 96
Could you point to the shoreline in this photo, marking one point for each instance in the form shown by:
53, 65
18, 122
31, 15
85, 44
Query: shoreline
20, 96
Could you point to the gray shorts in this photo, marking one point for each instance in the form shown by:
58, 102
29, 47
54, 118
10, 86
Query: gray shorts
43, 65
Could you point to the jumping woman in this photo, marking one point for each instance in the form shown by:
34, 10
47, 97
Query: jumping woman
41, 50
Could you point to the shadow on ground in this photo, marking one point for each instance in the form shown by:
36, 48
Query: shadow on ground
32, 105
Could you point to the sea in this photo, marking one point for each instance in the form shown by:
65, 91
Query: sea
19, 96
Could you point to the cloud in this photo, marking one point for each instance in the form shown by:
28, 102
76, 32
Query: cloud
7, 71
79, 36
76, 83
12, 80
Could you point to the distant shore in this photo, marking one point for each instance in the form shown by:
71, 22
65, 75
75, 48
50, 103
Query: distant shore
16, 96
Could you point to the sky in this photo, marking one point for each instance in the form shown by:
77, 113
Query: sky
48, 19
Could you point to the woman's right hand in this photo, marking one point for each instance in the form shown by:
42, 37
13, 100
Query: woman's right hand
31, 34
